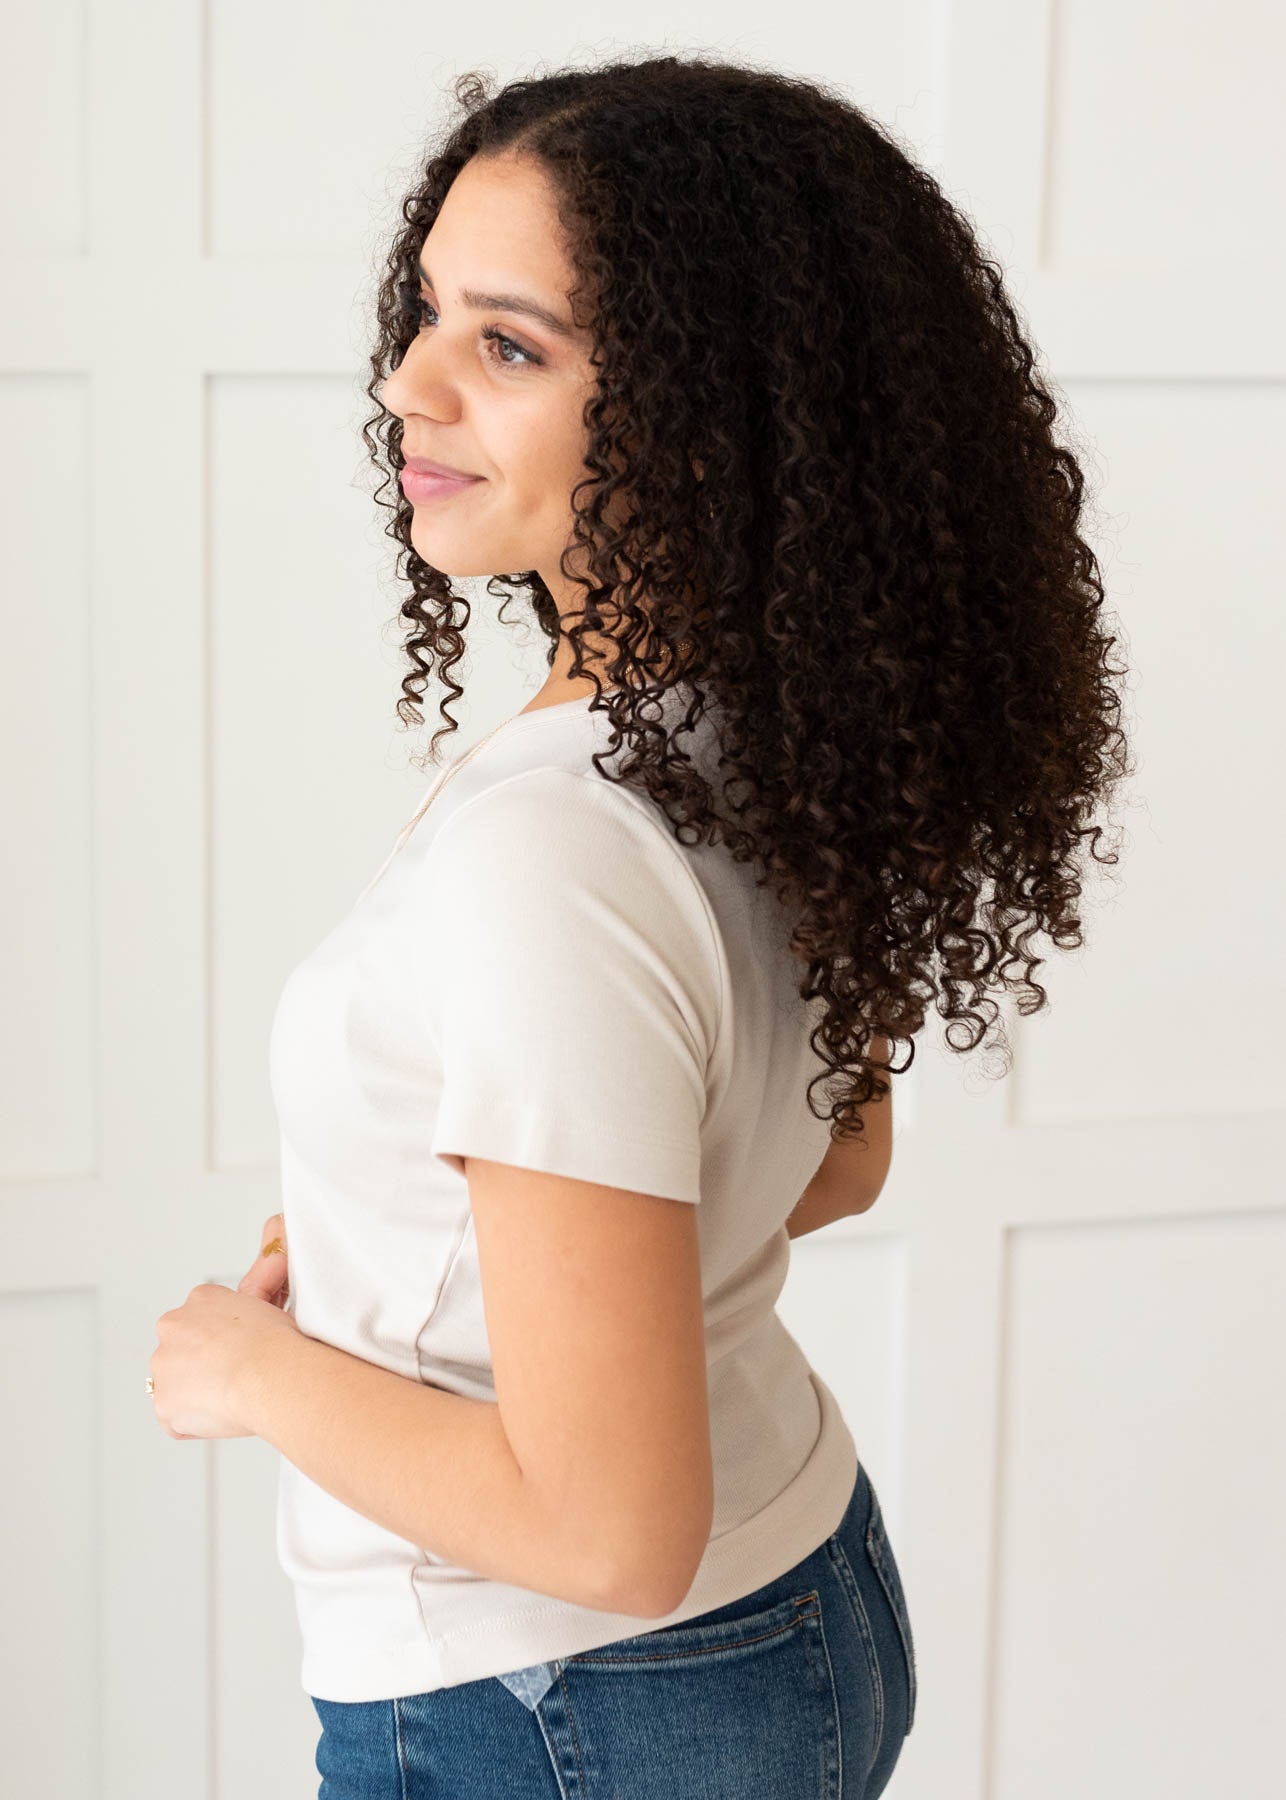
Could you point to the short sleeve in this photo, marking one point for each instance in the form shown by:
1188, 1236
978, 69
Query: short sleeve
577, 991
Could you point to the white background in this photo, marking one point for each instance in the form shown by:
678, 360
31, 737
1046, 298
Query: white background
1058, 1338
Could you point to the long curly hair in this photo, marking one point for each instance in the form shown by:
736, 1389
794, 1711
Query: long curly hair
850, 533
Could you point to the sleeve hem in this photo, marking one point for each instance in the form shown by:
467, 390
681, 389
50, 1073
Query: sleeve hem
671, 1171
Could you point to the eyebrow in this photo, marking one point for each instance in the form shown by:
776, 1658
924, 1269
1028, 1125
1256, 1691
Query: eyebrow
515, 303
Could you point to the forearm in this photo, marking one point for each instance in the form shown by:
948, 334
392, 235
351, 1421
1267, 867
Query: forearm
433, 1467
816, 1207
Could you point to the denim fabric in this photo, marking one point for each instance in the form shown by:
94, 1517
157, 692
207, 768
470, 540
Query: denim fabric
804, 1689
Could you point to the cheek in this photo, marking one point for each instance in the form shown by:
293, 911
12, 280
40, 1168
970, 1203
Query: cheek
544, 461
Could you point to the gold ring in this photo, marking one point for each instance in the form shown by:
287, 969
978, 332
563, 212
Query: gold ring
270, 1249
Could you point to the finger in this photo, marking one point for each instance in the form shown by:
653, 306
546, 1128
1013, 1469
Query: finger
267, 1277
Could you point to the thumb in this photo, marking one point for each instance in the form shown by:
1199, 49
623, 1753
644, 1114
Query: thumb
266, 1286
266, 1276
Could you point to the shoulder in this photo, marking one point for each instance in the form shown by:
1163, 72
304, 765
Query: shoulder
574, 804
569, 824
559, 856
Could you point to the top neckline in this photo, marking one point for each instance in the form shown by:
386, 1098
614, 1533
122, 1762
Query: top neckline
466, 756
550, 706
562, 706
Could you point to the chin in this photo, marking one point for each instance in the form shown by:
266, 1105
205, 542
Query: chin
438, 550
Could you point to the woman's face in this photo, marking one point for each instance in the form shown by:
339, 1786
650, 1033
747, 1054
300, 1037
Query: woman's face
490, 389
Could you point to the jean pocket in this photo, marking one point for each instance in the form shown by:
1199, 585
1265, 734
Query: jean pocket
707, 1634
741, 1701
883, 1561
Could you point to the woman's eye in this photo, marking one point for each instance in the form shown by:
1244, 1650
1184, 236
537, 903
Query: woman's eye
492, 335
498, 337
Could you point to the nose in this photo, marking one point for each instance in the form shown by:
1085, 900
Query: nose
420, 384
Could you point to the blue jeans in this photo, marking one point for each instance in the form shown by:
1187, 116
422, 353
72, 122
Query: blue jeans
802, 1690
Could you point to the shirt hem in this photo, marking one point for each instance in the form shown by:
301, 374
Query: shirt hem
806, 1512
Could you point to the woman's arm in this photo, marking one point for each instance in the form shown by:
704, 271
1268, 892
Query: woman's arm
850, 1175
434, 1467
819, 1205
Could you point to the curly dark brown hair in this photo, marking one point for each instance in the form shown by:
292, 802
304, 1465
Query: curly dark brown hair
887, 605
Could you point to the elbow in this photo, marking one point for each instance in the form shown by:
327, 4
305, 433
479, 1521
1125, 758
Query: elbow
868, 1200
655, 1601
877, 1187
661, 1586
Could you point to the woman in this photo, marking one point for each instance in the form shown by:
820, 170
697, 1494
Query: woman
722, 380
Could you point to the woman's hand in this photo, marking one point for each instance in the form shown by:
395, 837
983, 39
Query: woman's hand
269, 1276
212, 1347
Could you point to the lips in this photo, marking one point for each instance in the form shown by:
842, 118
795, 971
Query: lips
422, 486
424, 465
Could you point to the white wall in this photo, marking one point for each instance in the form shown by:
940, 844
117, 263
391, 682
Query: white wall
1058, 1338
